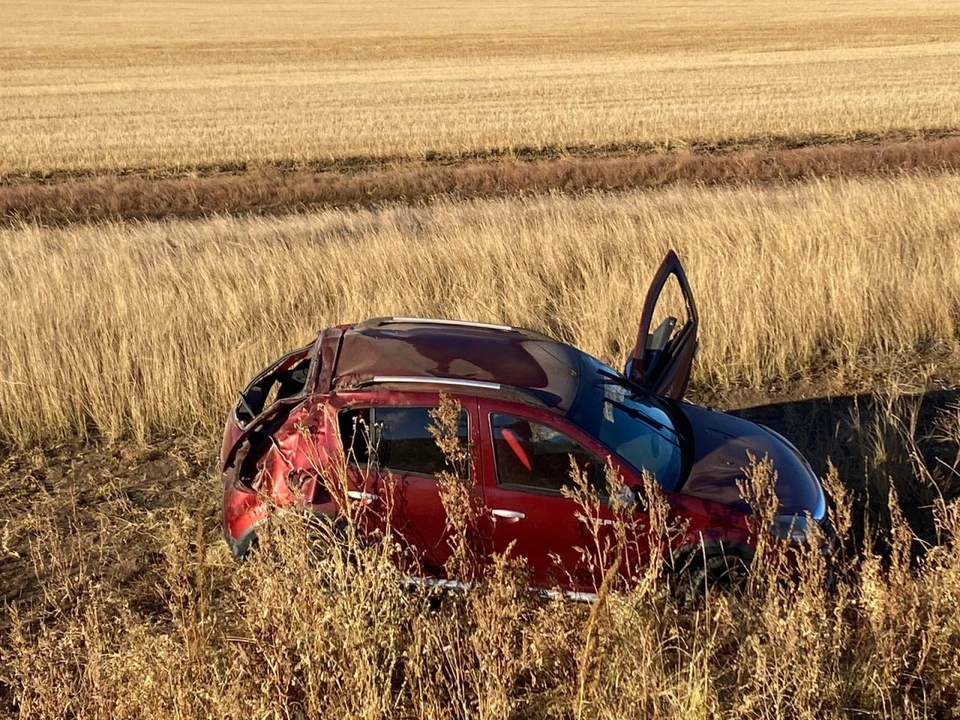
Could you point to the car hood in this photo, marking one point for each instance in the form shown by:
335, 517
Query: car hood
720, 446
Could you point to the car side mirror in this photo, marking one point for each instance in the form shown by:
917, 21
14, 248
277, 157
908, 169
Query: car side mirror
628, 495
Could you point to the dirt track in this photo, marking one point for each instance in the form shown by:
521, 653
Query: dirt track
145, 193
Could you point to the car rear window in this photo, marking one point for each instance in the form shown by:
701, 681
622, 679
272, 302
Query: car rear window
396, 439
283, 378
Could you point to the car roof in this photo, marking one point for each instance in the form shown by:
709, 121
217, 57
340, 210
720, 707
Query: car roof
456, 355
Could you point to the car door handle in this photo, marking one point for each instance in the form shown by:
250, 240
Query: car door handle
512, 515
362, 496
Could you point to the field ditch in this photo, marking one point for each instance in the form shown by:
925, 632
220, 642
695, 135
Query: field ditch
66, 197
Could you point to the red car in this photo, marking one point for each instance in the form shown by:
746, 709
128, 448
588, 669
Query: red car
528, 403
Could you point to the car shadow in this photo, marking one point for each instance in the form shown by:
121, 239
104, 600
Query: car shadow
876, 442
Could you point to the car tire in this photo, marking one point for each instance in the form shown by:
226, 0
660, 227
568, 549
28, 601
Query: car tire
325, 530
708, 569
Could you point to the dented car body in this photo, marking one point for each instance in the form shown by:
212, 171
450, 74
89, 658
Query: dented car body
358, 401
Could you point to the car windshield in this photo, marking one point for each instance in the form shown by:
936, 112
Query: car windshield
638, 428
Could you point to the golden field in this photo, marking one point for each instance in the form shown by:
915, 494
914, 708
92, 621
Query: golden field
187, 190
154, 84
133, 328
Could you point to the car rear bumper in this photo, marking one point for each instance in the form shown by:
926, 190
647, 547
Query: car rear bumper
243, 510
240, 546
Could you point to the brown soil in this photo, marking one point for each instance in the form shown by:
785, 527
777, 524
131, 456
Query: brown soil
98, 506
62, 197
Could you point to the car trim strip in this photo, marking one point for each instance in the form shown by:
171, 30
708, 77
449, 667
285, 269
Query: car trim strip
432, 582
457, 323
421, 379
524, 393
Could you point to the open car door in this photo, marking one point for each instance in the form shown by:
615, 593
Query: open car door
662, 359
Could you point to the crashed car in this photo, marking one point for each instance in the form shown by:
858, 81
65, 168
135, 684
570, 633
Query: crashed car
529, 405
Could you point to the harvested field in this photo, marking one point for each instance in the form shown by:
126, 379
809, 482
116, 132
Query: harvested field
135, 328
151, 84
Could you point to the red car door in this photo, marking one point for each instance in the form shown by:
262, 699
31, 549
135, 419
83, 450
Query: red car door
662, 359
394, 457
527, 460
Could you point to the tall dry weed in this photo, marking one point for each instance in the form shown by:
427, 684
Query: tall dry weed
139, 329
311, 629
319, 622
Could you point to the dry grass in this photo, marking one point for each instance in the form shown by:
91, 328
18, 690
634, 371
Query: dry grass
138, 328
274, 190
119, 599
116, 84
142, 615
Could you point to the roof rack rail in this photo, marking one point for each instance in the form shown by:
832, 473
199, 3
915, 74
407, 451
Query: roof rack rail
430, 380
454, 382
381, 321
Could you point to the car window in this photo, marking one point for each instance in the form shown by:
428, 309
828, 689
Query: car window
637, 428
534, 456
397, 438
355, 434
285, 377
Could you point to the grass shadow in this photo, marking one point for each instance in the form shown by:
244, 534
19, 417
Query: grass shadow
907, 442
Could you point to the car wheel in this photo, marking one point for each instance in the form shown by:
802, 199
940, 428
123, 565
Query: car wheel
326, 532
708, 571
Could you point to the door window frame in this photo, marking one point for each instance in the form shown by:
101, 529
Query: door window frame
672, 375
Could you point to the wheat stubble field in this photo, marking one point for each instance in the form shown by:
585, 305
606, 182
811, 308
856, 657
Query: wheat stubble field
107, 85
189, 189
